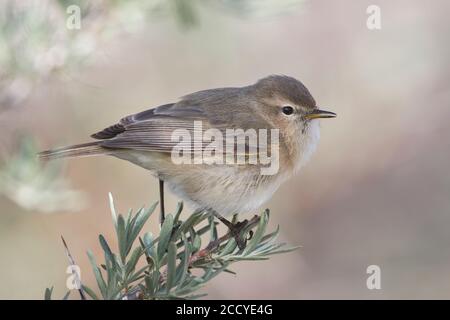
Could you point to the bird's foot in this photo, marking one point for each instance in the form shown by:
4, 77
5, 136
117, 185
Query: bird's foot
236, 229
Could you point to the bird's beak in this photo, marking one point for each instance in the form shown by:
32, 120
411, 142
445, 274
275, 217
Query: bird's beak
317, 113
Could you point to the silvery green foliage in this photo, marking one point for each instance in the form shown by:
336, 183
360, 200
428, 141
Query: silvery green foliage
177, 263
36, 44
36, 185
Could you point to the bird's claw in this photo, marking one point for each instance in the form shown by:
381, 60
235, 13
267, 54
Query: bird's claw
236, 230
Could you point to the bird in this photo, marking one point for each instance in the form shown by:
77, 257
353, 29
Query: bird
278, 104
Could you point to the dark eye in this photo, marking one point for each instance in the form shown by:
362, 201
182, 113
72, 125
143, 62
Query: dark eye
287, 110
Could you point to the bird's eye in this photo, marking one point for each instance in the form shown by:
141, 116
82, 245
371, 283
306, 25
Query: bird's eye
287, 110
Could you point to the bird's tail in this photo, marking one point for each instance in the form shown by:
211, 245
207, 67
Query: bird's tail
78, 150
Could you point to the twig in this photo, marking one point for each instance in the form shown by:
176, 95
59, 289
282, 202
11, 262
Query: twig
72, 263
212, 246
173, 255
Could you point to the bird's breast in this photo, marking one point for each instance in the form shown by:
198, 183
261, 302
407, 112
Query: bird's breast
227, 190
304, 145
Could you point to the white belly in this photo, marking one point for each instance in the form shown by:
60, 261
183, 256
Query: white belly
225, 190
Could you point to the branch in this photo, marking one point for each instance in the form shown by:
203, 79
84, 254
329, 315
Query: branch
214, 245
177, 250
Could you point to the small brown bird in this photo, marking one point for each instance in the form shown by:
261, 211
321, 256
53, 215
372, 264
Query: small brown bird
155, 138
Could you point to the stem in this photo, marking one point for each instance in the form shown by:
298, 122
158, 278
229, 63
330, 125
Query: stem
213, 246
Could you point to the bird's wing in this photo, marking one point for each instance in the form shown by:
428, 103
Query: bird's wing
154, 130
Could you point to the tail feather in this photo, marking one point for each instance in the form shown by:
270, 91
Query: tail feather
78, 150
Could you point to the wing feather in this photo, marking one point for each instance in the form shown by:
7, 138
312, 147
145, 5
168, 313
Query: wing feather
153, 129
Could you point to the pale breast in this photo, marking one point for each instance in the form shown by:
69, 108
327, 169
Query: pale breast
307, 144
227, 190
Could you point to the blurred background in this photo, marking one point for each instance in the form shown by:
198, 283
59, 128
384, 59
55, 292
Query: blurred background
377, 191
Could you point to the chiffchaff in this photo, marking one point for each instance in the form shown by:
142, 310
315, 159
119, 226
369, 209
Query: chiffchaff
209, 147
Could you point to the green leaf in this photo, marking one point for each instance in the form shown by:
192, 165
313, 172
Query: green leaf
197, 244
212, 228
129, 216
90, 292
178, 211
122, 238
108, 267
113, 287
184, 265
155, 276
259, 233
273, 235
195, 296
171, 266
200, 232
113, 209
66, 296
165, 235
98, 275
229, 271
138, 274
229, 248
131, 220
197, 217
286, 250
48, 293
131, 265
106, 248
149, 244
141, 219
149, 285
246, 258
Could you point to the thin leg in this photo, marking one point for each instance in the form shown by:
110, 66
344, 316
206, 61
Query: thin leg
162, 214
235, 229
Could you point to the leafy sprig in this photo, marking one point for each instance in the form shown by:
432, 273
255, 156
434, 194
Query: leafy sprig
177, 263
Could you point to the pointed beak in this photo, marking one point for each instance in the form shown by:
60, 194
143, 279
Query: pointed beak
317, 113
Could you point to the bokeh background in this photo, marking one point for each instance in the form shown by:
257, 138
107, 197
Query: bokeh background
377, 191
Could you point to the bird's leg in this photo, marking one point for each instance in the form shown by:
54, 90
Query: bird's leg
250, 232
235, 229
162, 214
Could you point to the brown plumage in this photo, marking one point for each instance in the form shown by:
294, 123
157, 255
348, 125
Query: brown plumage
146, 139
